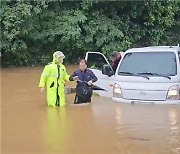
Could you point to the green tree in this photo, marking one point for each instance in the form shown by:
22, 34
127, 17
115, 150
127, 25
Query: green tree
32, 30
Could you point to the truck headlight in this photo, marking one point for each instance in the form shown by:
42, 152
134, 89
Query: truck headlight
117, 92
173, 93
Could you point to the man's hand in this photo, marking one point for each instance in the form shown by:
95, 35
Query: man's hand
75, 78
42, 90
90, 82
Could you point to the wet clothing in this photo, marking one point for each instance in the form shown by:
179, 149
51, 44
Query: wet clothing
83, 93
115, 64
83, 90
53, 78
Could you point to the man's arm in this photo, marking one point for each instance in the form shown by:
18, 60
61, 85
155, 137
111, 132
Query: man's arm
44, 76
93, 77
73, 77
66, 76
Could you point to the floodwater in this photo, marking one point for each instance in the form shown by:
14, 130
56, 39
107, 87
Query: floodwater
103, 127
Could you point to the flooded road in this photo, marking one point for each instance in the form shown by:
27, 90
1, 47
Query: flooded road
102, 127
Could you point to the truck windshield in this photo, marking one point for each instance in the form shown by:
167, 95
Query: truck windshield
149, 64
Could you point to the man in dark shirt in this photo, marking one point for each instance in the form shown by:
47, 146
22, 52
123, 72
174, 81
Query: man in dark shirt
84, 78
116, 57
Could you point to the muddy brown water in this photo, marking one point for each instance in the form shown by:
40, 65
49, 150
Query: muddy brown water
103, 127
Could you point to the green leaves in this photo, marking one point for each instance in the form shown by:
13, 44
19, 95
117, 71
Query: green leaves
33, 30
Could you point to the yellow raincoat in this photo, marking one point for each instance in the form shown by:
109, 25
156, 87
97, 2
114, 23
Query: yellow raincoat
53, 78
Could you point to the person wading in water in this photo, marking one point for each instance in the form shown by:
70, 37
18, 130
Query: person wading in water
84, 78
53, 79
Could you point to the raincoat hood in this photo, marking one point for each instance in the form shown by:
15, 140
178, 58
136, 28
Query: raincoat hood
59, 53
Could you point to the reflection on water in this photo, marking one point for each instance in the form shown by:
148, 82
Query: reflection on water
172, 117
54, 129
174, 139
102, 127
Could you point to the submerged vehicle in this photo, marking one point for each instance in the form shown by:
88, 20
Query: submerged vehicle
143, 75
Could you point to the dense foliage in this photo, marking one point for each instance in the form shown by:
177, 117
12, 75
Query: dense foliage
32, 30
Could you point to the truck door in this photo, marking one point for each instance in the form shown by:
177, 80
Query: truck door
101, 67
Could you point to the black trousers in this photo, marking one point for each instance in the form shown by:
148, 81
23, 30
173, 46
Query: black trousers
83, 93
79, 100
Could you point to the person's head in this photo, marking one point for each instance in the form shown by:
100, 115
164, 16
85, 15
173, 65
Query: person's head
115, 55
82, 64
59, 56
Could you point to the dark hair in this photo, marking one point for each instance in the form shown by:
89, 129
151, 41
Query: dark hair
114, 53
83, 61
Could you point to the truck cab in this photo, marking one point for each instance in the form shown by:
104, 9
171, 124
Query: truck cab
144, 75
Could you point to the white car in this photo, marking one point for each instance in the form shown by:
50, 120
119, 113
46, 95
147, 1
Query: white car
144, 75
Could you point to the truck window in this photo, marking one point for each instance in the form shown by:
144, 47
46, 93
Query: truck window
96, 61
163, 63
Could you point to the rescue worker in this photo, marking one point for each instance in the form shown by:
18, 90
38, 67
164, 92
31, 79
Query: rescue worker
116, 57
84, 78
53, 79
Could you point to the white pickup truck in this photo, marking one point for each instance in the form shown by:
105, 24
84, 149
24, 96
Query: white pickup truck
144, 75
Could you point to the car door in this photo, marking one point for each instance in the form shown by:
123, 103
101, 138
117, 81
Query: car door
96, 63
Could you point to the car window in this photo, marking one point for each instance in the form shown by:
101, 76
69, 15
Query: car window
96, 61
163, 63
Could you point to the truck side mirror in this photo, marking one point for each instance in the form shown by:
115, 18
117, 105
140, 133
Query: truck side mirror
107, 70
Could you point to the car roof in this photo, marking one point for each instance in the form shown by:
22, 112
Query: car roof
155, 49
